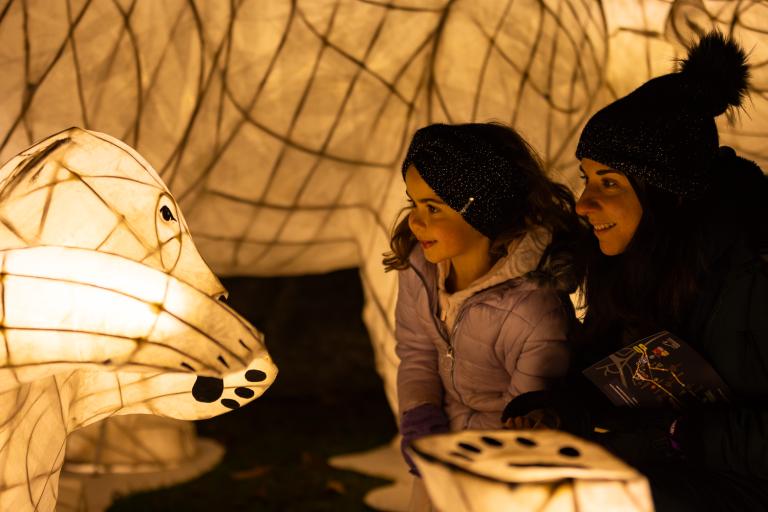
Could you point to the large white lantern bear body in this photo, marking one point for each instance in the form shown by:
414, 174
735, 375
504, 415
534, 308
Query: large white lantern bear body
107, 309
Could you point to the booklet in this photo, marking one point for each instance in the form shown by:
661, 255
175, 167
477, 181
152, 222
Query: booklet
658, 371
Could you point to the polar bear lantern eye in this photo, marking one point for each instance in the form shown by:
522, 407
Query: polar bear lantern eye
167, 213
168, 230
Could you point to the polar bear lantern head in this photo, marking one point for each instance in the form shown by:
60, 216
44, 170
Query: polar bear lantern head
106, 308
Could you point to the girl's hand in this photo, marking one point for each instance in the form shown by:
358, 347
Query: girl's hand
421, 421
537, 419
555, 409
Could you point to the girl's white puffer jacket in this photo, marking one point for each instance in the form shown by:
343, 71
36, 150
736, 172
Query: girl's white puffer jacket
506, 339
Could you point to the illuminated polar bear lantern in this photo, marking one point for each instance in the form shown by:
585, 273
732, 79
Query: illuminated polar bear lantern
106, 308
526, 471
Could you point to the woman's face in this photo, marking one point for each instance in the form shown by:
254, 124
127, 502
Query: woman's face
610, 204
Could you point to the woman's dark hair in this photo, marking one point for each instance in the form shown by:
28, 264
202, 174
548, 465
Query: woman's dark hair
548, 204
654, 283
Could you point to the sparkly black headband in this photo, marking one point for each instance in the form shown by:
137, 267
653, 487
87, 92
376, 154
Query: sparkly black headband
470, 173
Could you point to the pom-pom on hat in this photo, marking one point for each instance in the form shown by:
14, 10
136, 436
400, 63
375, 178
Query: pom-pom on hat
664, 132
465, 167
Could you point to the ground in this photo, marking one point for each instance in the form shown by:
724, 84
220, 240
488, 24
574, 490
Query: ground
327, 400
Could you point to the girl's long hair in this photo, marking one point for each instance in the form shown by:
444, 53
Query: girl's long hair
548, 204
655, 282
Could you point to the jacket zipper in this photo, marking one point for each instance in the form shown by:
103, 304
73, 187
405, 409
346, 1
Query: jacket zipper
440, 326
449, 337
451, 354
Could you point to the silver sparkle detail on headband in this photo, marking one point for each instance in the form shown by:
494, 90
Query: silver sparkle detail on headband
466, 206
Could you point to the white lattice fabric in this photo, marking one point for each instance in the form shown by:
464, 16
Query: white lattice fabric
106, 309
279, 126
526, 471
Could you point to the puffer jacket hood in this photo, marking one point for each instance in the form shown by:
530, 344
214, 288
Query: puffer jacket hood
522, 258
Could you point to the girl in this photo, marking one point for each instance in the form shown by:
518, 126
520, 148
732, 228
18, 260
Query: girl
485, 270
681, 231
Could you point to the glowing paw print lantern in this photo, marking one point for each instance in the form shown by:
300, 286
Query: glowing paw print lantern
526, 471
106, 308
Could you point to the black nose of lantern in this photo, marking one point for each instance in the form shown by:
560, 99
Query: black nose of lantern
207, 389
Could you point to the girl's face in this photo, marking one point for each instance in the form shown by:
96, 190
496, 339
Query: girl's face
441, 230
610, 204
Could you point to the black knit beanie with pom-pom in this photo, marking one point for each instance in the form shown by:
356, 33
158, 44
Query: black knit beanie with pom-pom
664, 133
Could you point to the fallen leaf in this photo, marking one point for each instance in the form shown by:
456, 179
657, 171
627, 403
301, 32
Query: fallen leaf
336, 486
254, 472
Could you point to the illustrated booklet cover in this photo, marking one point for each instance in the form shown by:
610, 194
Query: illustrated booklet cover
658, 371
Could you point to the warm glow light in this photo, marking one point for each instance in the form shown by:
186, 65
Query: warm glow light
284, 149
109, 312
526, 471
165, 322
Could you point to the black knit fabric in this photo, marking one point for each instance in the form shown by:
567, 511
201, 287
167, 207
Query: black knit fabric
459, 163
664, 133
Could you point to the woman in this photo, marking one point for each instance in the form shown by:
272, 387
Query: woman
680, 227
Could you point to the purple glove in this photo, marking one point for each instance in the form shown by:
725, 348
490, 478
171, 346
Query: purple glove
418, 422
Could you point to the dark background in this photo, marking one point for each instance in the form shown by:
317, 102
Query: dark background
327, 400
